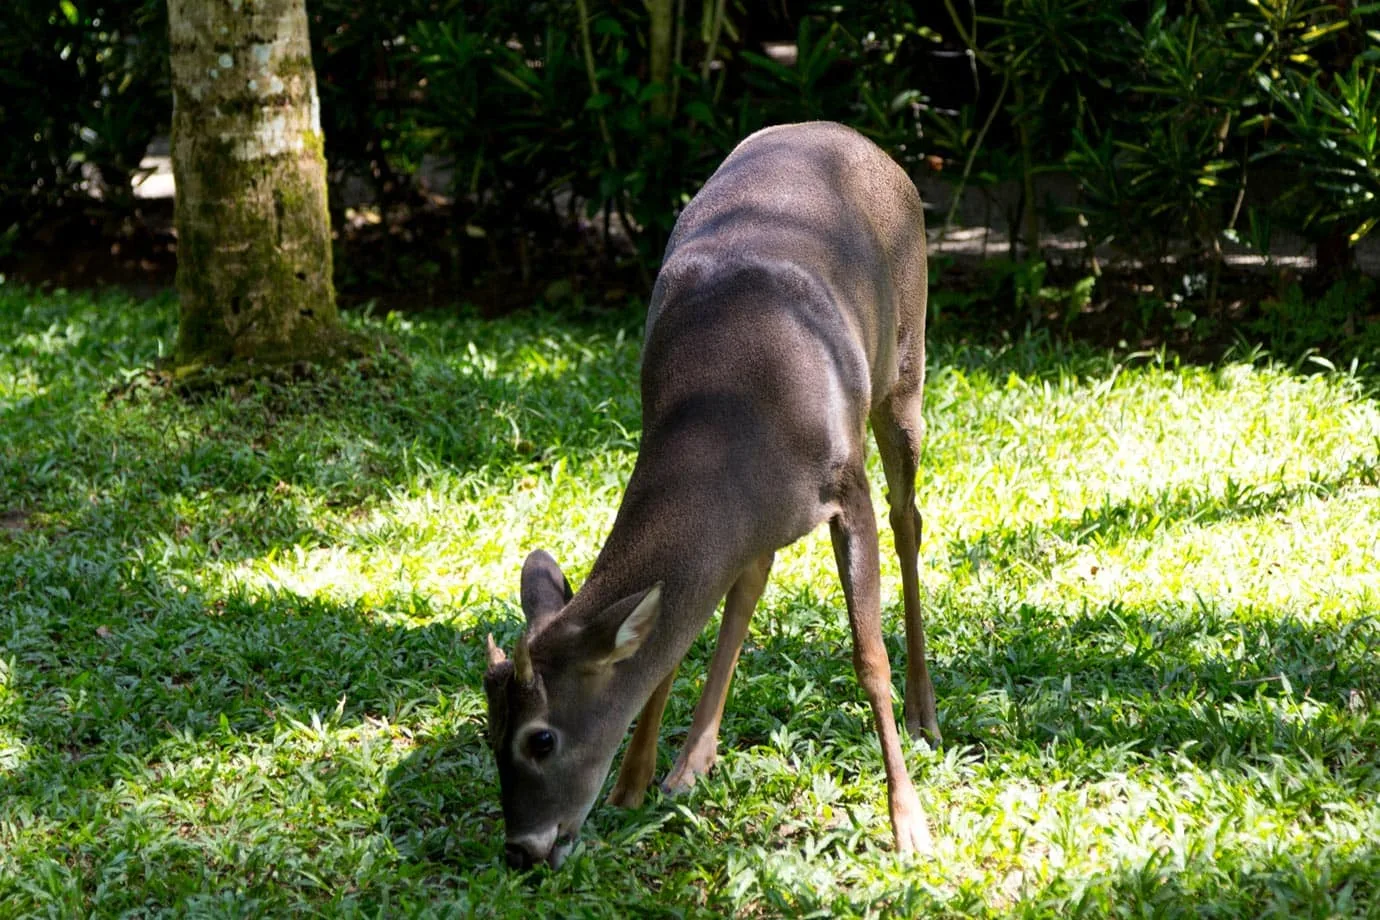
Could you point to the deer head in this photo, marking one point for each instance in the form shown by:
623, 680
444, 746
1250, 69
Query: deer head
552, 727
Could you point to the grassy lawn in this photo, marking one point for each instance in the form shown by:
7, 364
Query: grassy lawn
241, 639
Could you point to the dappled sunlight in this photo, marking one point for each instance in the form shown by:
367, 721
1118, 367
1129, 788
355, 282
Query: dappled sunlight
244, 636
17, 383
1174, 816
454, 546
1029, 451
1250, 485
1320, 558
14, 749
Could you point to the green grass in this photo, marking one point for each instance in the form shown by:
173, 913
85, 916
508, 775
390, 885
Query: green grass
241, 639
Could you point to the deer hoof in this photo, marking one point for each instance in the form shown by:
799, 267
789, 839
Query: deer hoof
929, 734
624, 797
908, 824
681, 779
913, 838
678, 782
923, 726
690, 766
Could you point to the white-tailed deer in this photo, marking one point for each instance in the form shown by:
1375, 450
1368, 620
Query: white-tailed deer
789, 311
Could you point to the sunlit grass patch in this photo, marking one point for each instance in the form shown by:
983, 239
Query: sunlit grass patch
451, 541
241, 639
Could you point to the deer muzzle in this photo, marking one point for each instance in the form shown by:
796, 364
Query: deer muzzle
548, 846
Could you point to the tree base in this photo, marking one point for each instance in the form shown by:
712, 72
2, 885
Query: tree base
209, 373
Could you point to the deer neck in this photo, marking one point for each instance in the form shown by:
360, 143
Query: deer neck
688, 536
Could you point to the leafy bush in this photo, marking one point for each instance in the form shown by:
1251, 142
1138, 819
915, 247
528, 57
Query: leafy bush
606, 116
83, 90
1333, 140
1338, 320
573, 107
1159, 118
1161, 171
366, 77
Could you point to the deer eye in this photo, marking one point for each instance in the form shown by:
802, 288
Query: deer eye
540, 744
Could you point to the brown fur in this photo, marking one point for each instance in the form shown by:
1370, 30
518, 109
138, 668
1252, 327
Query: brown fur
788, 313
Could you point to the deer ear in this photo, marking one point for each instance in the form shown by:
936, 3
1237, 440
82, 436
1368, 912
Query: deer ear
619, 632
544, 587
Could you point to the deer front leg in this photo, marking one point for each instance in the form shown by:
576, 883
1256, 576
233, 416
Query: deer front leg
639, 761
702, 745
854, 533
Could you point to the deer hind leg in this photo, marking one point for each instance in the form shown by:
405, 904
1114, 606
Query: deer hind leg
639, 761
702, 745
854, 532
899, 430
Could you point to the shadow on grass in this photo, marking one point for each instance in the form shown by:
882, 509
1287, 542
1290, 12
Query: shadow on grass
165, 675
1314, 879
1113, 688
1200, 682
1114, 692
123, 670
1209, 686
176, 679
241, 474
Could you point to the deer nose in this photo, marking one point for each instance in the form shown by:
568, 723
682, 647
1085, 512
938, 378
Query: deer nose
519, 857
526, 850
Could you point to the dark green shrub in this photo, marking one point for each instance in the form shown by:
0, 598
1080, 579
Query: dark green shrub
1162, 171
82, 84
559, 106
500, 105
367, 78
1340, 319
598, 118
1332, 132
1159, 112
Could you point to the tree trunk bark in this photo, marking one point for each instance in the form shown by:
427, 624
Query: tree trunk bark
253, 231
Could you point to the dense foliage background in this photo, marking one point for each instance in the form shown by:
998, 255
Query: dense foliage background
511, 143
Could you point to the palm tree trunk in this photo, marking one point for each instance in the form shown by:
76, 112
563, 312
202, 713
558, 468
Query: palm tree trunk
253, 231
